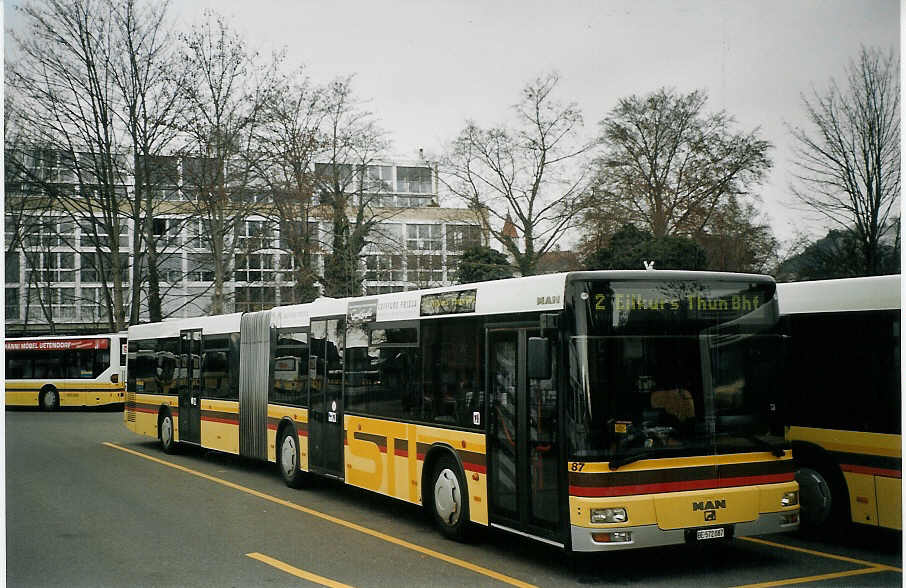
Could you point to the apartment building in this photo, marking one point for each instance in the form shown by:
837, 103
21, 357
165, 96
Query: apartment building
53, 274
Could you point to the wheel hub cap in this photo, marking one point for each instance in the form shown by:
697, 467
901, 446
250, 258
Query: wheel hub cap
447, 496
288, 455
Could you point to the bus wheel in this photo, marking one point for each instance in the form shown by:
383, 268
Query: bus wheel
50, 399
288, 459
816, 499
165, 433
450, 498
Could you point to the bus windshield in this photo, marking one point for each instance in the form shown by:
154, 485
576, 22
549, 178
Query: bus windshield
661, 369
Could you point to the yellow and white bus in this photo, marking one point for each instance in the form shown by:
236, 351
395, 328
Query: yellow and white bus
591, 410
843, 413
55, 371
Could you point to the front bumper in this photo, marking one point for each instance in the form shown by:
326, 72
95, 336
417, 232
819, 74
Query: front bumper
654, 536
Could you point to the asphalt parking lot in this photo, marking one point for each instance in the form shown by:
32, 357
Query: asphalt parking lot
91, 504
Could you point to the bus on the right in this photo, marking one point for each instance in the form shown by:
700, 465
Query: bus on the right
842, 413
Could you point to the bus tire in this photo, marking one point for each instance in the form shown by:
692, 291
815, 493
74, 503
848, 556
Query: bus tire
165, 432
288, 458
49, 399
450, 498
823, 497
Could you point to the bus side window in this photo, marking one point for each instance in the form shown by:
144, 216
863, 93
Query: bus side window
452, 383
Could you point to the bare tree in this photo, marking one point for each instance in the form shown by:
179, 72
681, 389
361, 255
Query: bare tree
226, 93
528, 180
63, 79
149, 79
288, 142
352, 143
849, 160
668, 165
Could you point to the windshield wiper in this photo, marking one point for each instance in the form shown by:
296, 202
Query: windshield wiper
638, 455
775, 448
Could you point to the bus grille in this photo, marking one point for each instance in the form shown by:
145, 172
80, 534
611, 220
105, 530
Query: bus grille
130, 407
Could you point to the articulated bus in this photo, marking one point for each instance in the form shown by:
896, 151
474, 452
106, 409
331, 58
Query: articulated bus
591, 411
843, 411
52, 371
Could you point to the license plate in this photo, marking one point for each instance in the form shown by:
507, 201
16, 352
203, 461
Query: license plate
704, 534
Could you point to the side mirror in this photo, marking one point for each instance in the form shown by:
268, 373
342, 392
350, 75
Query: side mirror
539, 358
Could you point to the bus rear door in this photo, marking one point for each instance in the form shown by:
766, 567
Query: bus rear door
190, 386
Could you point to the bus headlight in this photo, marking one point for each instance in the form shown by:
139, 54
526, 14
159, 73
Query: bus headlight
790, 498
608, 515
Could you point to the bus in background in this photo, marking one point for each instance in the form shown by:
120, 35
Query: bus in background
843, 411
55, 371
591, 411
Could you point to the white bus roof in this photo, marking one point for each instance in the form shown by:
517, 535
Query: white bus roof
843, 295
514, 295
209, 325
45, 337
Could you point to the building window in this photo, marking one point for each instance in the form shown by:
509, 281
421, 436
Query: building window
384, 268
423, 237
11, 264
50, 267
201, 267
95, 267
11, 297
90, 304
254, 267
379, 178
425, 270
95, 234
255, 235
169, 268
48, 232
414, 179
462, 237
61, 302
251, 299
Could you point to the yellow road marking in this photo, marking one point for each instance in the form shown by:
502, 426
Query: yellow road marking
343, 523
860, 562
804, 579
297, 572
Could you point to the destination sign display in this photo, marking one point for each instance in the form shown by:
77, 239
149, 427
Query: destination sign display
459, 302
736, 303
57, 344
672, 306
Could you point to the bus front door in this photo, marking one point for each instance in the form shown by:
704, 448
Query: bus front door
189, 373
325, 417
523, 447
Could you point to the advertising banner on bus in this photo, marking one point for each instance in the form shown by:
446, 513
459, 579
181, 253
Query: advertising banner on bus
57, 344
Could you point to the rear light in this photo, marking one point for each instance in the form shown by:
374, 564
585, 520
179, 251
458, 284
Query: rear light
115, 378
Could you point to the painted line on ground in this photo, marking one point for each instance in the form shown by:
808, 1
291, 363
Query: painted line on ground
817, 578
338, 521
285, 567
861, 562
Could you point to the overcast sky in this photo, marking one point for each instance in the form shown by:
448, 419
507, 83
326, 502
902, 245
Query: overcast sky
427, 66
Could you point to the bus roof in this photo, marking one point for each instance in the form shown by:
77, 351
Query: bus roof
209, 325
514, 295
843, 295
55, 337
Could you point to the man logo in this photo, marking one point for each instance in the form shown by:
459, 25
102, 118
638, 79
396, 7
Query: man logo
710, 515
709, 505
